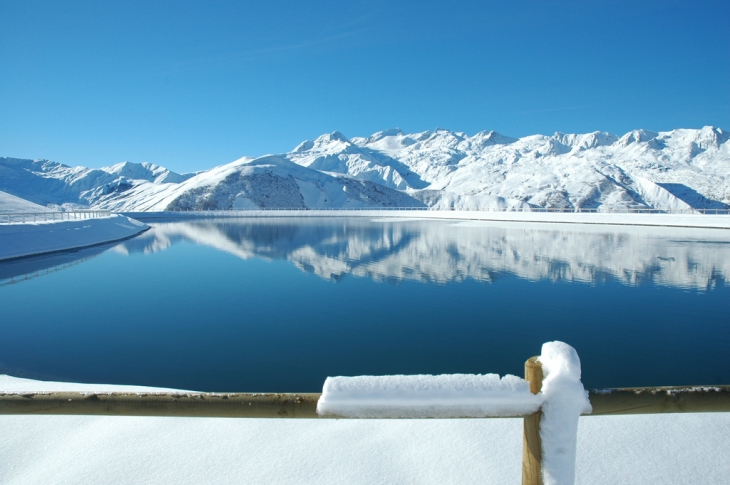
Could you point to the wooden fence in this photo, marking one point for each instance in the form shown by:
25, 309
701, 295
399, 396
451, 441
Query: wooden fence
605, 402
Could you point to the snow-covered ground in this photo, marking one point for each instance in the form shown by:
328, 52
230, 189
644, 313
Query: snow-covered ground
672, 449
26, 239
673, 170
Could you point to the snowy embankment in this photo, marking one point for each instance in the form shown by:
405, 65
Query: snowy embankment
667, 449
26, 239
709, 221
671, 449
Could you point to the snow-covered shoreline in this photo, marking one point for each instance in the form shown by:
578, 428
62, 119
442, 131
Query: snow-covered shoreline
705, 221
671, 449
32, 238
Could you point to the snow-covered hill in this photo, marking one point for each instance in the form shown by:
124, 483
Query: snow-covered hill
266, 182
679, 169
45, 182
11, 203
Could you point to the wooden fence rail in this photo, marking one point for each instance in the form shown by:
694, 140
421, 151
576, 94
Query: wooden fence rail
643, 400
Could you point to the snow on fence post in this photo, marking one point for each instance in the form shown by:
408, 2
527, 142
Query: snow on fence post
564, 400
531, 442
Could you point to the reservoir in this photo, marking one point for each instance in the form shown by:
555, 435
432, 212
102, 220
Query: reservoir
277, 305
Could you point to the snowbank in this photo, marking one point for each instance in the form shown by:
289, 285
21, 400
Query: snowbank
17, 240
427, 396
632, 450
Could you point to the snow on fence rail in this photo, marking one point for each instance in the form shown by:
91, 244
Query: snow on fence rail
550, 400
23, 217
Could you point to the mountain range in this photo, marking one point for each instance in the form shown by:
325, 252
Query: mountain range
678, 169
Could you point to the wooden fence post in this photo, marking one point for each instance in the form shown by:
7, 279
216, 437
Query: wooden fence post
531, 443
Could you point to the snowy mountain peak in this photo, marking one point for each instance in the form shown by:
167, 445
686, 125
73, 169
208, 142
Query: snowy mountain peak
328, 141
587, 140
485, 138
711, 137
637, 136
332, 137
144, 171
382, 134
442, 137
304, 146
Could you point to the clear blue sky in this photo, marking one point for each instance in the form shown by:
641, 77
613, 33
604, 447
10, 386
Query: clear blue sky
190, 85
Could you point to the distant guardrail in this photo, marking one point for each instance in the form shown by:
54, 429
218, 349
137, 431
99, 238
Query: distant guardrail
23, 217
496, 209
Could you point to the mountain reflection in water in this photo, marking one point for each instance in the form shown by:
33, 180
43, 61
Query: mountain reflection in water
225, 310
442, 252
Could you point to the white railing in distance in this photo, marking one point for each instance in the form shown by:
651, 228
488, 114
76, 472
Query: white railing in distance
26, 217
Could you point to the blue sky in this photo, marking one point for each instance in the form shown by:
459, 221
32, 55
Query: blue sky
190, 85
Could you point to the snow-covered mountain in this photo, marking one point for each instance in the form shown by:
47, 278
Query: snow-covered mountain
266, 182
670, 170
51, 183
679, 169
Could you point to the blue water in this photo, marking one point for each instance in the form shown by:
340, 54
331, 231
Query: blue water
279, 305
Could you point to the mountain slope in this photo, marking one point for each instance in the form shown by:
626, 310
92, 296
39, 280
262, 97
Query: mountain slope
11, 203
45, 182
266, 182
675, 169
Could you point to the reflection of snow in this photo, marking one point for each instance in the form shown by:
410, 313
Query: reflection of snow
444, 252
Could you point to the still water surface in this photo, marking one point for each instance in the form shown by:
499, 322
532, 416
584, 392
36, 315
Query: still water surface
280, 304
